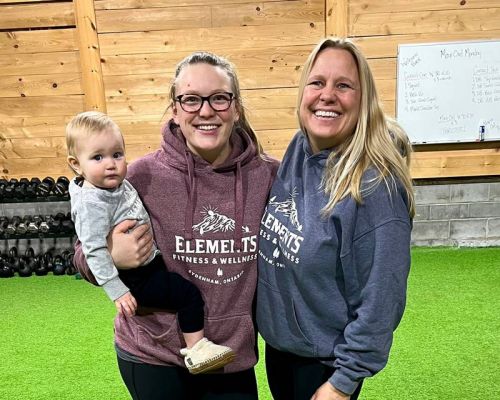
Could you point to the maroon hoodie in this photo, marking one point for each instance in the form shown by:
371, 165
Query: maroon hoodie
206, 222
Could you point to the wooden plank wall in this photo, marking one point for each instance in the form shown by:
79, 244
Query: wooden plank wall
40, 86
378, 27
139, 42
142, 41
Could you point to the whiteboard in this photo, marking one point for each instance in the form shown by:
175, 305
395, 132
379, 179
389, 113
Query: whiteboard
449, 92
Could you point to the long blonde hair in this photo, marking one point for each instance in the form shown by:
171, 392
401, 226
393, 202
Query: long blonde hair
378, 141
204, 57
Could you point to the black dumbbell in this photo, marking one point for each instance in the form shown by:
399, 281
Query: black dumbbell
45, 187
33, 225
12, 225
22, 227
61, 186
31, 190
10, 189
20, 190
54, 222
3, 224
3, 184
67, 225
44, 225
61, 224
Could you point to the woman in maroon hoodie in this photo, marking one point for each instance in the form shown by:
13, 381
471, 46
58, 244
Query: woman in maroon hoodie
205, 190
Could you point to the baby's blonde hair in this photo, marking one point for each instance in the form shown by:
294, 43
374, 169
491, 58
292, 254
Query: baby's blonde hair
84, 125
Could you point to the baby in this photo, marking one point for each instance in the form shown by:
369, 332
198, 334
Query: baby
101, 198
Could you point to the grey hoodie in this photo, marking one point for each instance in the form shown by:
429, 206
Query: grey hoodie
332, 287
95, 212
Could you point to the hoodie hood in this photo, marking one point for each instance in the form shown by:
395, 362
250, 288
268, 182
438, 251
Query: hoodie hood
175, 148
178, 155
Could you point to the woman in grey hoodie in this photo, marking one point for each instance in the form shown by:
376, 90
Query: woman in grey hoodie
205, 190
334, 245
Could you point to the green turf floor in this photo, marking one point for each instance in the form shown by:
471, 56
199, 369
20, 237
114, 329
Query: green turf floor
56, 336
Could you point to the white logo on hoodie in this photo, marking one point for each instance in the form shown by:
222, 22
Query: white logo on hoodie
285, 241
289, 208
214, 254
216, 222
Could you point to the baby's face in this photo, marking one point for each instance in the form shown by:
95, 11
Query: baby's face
101, 159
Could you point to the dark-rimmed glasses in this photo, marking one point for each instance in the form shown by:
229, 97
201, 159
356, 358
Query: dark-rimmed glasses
218, 101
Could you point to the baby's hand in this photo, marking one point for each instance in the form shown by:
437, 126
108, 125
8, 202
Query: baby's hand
126, 304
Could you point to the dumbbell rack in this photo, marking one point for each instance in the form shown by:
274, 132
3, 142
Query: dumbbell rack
43, 205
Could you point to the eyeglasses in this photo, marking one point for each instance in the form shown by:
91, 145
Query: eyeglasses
218, 101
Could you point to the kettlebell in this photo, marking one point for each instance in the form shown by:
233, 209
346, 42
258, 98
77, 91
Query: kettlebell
13, 258
59, 266
48, 260
6, 270
40, 268
24, 268
30, 258
68, 260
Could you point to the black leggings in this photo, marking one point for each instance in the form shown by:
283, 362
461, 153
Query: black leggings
156, 382
293, 377
153, 286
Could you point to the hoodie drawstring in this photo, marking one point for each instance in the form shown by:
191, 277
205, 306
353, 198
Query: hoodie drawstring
238, 208
191, 185
190, 206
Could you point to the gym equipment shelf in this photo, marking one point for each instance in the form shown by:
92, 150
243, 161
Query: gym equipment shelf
34, 226
37, 236
38, 199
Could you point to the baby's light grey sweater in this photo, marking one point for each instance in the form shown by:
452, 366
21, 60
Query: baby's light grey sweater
95, 212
